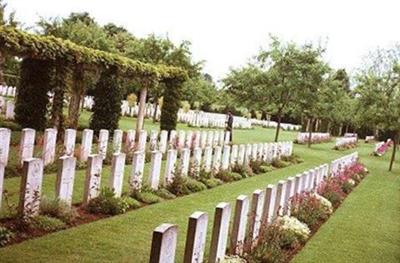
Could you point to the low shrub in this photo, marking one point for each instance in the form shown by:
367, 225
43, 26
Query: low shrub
106, 203
310, 209
6, 236
226, 176
280, 163
348, 186
193, 186
177, 185
147, 197
58, 209
165, 194
294, 158
211, 182
331, 189
46, 223
255, 166
294, 232
244, 170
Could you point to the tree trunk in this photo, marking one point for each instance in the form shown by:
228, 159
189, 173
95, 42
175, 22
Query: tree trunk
311, 121
347, 129
395, 141
340, 129
141, 112
155, 110
2, 63
278, 127
328, 127
317, 125
308, 125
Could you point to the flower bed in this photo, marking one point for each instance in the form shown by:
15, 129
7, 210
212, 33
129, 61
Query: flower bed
308, 211
382, 147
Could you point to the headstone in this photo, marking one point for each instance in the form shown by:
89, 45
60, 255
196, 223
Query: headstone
247, 156
2, 104
225, 158
117, 141
153, 140
86, 146
130, 141
162, 146
189, 140
196, 139
289, 192
116, 178
217, 159
196, 162
234, 155
141, 146
65, 178
5, 137
10, 115
2, 170
220, 233
136, 178
254, 152
280, 194
49, 146
103, 143
181, 139
207, 159
260, 152
210, 139
203, 139
163, 244
239, 225
221, 138
170, 166
27, 144
31, 187
93, 178
242, 154
196, 237
69, 142
227, 137
184, 161
216, 138
269, 205
255, 217
173, 140
155, 169
265, 152
297, 184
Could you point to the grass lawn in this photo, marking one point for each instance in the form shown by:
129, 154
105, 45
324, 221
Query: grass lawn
365, 228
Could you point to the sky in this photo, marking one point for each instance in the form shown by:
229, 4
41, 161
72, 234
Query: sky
227, 34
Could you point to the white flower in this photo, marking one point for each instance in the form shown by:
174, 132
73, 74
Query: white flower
293, 224
325, 203
351, 181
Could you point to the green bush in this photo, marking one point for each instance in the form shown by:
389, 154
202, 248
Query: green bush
58, 209
177, 185
255, 166
165, 194
13, 126
5, 236
244, 170
280, 163
46, 223
227, 176
146, 197
193, 186
171, 103
347, 187
212, 182
106, 203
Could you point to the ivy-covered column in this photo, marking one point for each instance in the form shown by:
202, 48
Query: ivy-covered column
171, 103
77, 91
32, 98
107, 101
60, 85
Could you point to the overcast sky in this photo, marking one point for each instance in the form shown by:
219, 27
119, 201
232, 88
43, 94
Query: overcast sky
227, 33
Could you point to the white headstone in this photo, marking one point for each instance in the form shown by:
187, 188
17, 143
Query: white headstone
220, 233
184, 161
155, 169
69, 142
86, 146
163, 244
242, 154
197, 152
196, 238
10, 115
170, 166
5, 137
225, 157
269, 205
207, 159
117, 141
93, 178
217, 159
31, 187
136, 178
49, 146
163, 141
27, 144
141, 146
116, 178
257, 205
130, 141
103, 143
65, 178
239, 225
203, 139
153, 140
234, 155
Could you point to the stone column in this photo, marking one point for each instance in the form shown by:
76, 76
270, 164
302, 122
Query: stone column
220, 233
27, 144
31, 187
135, 180
196, 237
163, 244
103, 143
155, 169
49, 146
116, 178
69, 142
86, 146
239, 225
170, 166
65, 178
93, 178
117, 141
225, 157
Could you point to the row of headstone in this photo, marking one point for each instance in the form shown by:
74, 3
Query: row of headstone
274, 124
250, 218
342, 141
120, 143
316, 137
214, 160
349, 134
338, 165
8, 91
369, 138
211, 120
7, 107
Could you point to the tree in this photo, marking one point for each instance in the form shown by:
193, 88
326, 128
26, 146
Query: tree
378, 93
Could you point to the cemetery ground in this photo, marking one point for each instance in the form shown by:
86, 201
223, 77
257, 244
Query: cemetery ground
365, 227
